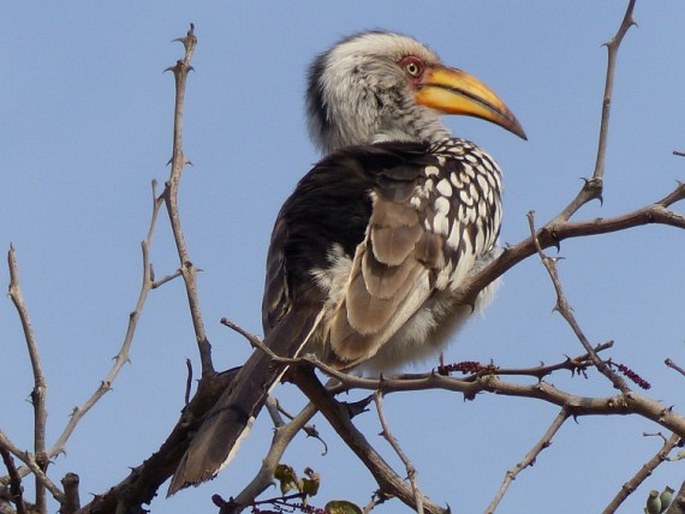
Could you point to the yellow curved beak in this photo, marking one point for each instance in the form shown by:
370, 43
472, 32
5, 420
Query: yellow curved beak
453, 91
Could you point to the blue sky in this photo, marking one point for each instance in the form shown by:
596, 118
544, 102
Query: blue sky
86, 125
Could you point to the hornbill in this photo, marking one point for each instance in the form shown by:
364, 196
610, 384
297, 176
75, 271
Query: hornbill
366, 253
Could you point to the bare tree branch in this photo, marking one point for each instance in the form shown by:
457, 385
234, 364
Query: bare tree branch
283, 435
673, 365
72, 500
170, 196
408, 465
544, 442
646, 470
553, 234
594, 186
562, 307
122, 356
16, 490
38, 393
339, 418
33, 466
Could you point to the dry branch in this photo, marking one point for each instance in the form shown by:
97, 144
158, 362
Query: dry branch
593, 187
544, 442
170, 195
40, 414
339, 417
15, 488
645, 471
562, 307
408, 465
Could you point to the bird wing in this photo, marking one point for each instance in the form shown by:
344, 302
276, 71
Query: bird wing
391, 274
355, 221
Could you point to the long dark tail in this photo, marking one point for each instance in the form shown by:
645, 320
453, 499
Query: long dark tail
230, 420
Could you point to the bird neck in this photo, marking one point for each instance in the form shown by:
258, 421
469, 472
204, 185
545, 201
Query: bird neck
366, 126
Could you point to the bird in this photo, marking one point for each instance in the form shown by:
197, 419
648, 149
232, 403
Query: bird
367, 252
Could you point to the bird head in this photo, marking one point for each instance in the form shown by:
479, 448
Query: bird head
378, 86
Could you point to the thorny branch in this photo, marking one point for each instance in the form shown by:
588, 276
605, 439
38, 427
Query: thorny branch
562, 307
16, 490
170, 195
40, 415
122, 356
283, 435
409, 466
32, 465
544, 442
594, 186
645, 471
340, 419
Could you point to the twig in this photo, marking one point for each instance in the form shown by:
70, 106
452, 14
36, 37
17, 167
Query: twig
574, 365
544, 442
408, 465
562, 307
310, 430
189, 380
622, 404
552, 234
72, 500
283, 435
122, 356
170, 196
593, 187
16, 490
165, 279
642, 474
673, 365
33, 466
256, 342
339, 418
40, 414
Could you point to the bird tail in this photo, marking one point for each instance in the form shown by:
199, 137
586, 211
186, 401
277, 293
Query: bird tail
230, 420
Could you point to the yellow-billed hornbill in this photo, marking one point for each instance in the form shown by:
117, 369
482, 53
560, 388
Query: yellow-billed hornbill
367, 251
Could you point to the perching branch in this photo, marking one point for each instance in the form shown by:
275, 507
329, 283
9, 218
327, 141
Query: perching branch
553, 234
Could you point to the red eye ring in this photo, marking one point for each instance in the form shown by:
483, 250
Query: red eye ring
412, 65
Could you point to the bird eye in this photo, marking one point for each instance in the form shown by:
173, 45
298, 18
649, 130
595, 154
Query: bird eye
412, 65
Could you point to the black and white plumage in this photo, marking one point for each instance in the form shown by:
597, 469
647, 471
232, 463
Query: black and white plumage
366, 253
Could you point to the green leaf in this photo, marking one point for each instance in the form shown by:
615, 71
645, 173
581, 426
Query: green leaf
342, 507
310, 485
287, 477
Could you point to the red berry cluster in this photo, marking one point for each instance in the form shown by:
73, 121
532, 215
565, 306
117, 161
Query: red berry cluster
463, 366
631, 375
